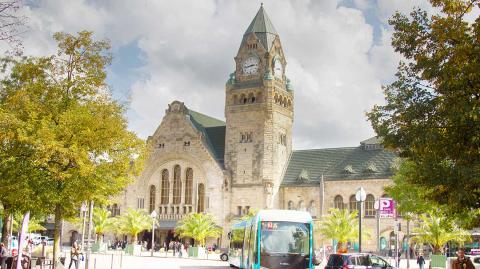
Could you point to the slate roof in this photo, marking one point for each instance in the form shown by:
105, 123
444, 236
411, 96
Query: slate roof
214, 132
263, 29
349, 163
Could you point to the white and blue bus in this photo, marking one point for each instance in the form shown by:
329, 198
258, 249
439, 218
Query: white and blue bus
273, 239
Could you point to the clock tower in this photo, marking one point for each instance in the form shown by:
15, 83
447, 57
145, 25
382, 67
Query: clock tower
259, 116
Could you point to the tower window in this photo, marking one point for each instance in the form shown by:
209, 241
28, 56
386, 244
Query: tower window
161, 145
246, 137
186, 143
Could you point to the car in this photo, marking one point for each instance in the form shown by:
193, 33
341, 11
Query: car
224, 257
475, 260
357, 261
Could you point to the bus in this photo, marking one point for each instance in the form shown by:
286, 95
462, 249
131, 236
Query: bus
273, 239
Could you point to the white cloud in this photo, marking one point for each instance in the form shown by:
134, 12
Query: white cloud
188, 49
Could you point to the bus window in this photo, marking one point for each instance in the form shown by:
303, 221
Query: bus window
237, 242
253, 244
246, 251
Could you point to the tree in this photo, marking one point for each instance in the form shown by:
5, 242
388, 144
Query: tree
431, 115
64, 139
101, 221
34, 225
437, 230
12, 24
252, 212
410, 198
342, 226
198, 226
132, 222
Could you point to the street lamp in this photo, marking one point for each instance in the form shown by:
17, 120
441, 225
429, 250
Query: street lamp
360, 196
83, 210
154, 216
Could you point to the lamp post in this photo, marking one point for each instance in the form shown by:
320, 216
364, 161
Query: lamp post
360, 196
83, 210
154, 216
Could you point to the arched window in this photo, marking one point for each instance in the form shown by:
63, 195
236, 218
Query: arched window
188, 186
177, 185
370, 206
312, 208
290, 205
165, 187
353, 204
201, 198
338, 202
152, 198
301, 206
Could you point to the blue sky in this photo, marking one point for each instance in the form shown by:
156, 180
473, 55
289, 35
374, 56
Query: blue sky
338, 55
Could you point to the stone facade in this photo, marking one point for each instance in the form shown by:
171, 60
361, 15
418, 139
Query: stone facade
201, 164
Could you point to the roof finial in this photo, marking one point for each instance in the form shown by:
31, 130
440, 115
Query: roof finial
261, 4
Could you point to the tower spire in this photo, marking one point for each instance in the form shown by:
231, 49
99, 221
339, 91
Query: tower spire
263, 28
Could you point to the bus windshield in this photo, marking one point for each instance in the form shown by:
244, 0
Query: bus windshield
280, 237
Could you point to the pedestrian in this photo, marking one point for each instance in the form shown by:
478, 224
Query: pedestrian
174, 247
180, 249
462, 262
74, 255
420, 261
3, 256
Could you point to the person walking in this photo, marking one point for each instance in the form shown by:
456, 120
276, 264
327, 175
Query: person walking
74, 255
420, 261
462, 262
180, 249
3, 256
174, 247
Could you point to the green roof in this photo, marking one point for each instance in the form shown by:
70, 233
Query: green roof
350, 163
261, 23
204, 120
263, 29
214, 132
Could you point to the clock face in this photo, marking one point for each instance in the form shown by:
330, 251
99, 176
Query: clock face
277, 68
250, 65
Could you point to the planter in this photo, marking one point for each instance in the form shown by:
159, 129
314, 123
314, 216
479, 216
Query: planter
133, 249
198, 252
438, 261
99, 247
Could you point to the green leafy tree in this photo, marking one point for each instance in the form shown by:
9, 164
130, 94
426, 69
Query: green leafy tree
101, 222
198, 226
34, 225
437, 230
431, 115
410, 198
132, 222
64, 139
342, 226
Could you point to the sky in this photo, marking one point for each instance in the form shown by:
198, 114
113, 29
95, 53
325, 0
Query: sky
338, 55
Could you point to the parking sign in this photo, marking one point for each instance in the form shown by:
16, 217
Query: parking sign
386, 208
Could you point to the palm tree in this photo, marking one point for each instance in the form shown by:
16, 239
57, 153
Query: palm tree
198, 226
437, 230
341, 225
132, 222
101, 221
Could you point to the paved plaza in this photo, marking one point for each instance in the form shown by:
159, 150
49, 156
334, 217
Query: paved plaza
102, 261
115, 261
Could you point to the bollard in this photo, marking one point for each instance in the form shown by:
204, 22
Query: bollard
111, 263
94, 263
